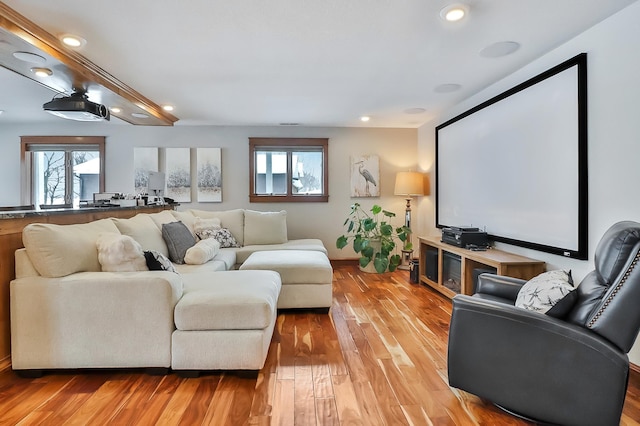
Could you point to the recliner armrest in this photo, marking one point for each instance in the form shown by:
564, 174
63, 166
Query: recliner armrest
499, 286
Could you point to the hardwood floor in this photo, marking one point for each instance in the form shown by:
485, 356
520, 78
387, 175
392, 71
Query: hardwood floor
378, 358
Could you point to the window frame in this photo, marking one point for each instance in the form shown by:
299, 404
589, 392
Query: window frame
288, 145
75, 143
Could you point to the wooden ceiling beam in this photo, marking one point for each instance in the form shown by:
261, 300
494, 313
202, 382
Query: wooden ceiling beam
73, 71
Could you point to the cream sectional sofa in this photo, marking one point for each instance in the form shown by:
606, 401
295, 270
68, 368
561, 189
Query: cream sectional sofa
66, 312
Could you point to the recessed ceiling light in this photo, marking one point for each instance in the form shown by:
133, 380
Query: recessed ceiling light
447, 88
29, 57
365, 118
115, 110
42, 72
71, 40
167, 107
414, 110
501, 48
454, 12
139, 115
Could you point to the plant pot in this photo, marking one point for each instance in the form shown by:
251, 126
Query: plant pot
370, 268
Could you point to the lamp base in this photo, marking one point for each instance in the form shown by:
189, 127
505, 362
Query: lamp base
405, 260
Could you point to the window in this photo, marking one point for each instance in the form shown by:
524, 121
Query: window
284, 169
61, 170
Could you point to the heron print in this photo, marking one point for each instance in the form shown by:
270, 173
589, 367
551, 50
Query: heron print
365, 176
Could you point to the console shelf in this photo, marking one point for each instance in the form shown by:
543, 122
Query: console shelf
446, 257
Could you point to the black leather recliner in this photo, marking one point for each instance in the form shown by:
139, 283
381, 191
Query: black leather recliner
570, 371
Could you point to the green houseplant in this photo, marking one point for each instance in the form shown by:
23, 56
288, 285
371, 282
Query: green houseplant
374, 237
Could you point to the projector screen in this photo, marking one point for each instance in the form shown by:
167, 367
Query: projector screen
516, 165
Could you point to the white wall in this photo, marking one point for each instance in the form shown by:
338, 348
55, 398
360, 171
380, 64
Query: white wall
395, 147
613, 130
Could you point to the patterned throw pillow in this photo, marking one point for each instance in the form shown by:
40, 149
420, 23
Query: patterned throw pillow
549, 293
224, 237
157, 261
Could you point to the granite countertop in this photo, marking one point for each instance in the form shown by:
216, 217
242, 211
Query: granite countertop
19, 214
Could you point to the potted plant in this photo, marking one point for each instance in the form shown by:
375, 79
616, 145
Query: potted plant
374, 238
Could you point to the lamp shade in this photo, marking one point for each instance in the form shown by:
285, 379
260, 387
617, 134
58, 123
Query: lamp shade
409, 183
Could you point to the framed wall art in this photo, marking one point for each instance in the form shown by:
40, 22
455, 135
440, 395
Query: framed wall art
209, 175
365, 176
178, 172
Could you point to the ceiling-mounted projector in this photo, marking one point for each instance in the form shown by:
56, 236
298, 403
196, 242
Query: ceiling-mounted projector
77, 107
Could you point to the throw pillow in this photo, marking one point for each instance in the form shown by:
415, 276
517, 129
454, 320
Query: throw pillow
550, 293
225, 237
178, 239
202, 252
120, 253
157, 261
204, 228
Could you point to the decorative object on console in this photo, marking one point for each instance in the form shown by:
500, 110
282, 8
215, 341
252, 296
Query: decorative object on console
209, 174
408, 184
365, 176
155, 187
373, 239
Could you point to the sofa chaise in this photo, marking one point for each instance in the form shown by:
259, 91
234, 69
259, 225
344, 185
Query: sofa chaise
67, 312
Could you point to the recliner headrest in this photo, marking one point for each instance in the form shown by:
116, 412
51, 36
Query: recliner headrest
615, 248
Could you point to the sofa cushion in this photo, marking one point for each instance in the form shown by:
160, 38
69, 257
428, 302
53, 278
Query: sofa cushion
178, 239
265, 227
61, 250
313, 244
202, 251
205, 228
144, 230
228, 300
294, 266
162, 217
233, 220
120, 253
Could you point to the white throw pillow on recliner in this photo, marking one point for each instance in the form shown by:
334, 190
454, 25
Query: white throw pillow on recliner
265, 227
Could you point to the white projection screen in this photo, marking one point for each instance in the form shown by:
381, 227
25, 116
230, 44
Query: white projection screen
516, 165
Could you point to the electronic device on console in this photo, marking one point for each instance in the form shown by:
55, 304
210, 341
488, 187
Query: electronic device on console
465, 236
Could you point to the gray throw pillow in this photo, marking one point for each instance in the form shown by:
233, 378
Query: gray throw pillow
178, 239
